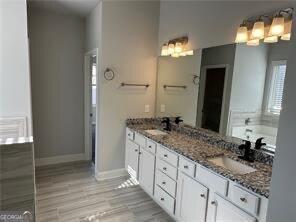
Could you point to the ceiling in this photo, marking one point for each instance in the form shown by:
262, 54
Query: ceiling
75, 7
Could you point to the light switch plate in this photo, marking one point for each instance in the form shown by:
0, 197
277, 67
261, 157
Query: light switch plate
147, 107
162, 108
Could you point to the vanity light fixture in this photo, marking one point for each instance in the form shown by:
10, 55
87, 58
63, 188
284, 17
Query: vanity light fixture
242, 34
269, 27
278, 26
176, 48
258, 30
288, 29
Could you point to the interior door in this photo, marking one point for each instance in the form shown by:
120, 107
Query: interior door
146, 170
213, 98
227, 212
191, 200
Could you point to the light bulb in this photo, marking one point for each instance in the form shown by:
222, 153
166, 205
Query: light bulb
178, 47
287, 32
277, 27
175, 55
258, 30
242, 34
253, 42
164, 50
271, 39
171, 49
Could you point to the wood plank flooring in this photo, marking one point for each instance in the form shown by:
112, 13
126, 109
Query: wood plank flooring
69, 192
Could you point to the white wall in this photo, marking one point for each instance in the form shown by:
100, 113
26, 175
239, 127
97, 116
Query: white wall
129, 36
15, 96
57, 55
178, 101
248, 78
282, 203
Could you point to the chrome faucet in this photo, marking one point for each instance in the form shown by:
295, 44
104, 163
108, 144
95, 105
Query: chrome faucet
249, 154
167, 121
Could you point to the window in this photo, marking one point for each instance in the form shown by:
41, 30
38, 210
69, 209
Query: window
278, 71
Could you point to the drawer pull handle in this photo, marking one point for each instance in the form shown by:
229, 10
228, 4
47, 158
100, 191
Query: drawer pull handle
186, 167
163, 182
214, 202
129, 134
140, 153
243, 199
202, 195
165, 155
164, 168
149, 146
162, 199
136, 150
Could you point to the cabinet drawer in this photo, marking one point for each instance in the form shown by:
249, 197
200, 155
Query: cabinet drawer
187, 166
130, 134
166, 183
164, 199
166, 168
140, 140
151, 146
167, 155
216, 182
244, 199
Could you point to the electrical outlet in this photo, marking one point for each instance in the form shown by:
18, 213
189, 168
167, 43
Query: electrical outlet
162, 108
147, 107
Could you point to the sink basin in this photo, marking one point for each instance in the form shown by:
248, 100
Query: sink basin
156, 132
232, 165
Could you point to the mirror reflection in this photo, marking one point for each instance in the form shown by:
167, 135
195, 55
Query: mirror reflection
235, 90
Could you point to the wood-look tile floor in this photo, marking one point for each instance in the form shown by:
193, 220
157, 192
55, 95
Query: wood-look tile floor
70, 192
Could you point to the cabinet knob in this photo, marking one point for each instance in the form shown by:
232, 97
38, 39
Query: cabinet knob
140, 153
186, 167
202, 195
136, 150
243, 199
129, 134
214, 202
149, 146
163, 182
162, 199
165, 155
164, 168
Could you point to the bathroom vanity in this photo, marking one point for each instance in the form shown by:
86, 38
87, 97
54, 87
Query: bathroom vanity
195, 175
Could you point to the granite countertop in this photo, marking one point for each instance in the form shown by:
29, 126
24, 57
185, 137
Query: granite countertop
199, 151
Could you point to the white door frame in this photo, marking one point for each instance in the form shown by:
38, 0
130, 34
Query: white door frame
87, 102
202, 91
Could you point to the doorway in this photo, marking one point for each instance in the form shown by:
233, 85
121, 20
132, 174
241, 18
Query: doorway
212, 98
91, 80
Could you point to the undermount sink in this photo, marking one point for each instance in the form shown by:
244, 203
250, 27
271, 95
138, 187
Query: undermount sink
232, 165
156, 132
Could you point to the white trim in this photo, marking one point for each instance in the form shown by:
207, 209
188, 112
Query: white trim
111, 174
59, 159
87, 101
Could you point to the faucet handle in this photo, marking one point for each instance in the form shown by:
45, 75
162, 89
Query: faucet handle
178, 120
259, 144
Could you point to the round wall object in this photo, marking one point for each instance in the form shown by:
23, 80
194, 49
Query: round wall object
109, 74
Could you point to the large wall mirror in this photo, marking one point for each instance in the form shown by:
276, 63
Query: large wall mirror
235, 90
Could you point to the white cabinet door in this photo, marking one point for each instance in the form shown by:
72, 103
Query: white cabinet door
132, 158
228, 212
146, 171
191, 200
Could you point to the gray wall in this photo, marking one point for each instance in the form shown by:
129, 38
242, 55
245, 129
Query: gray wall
57, 49
15, 95
129, 36
282, 203
248, 78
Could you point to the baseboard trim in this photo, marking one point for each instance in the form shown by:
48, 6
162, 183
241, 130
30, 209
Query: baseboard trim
111, 174
59, 159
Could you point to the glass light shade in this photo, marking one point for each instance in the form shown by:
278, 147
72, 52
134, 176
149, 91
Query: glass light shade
164, 50
258, 30
277, 27
241, 35
189, 52
178, 47
271, 39
287, 32
171, 49
175, 55
253, 42
183, 54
